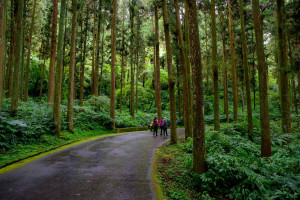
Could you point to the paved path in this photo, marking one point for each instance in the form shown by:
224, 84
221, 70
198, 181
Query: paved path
115, 167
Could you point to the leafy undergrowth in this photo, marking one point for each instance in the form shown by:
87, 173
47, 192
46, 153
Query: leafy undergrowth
235, 168
45, 143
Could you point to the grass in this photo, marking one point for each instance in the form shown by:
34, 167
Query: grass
46, 143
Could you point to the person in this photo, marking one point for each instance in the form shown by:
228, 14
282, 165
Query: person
151, 126
160, 125
155, 126
165, 127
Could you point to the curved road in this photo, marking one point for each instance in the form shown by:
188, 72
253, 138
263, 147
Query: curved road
114, 167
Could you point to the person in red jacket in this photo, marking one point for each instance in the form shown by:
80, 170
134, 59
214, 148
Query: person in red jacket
160, 125
155, 125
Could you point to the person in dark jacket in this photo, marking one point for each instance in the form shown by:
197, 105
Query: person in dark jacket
161, 128
165, 127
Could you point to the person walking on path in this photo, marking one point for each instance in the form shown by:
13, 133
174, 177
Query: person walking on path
160, 125
165, 127
155, 126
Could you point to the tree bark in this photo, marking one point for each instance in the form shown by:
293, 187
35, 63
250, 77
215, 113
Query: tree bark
42, 80
131, 61
29, 53
282, 61
113, 61
207, 60
122, 59
3, 7
82, 68
171, 76
263, 82
215, 67
199, 153
186, 114
51, 79
93, 51
233, 67
59, 67
246, 68
17, 59
71, 69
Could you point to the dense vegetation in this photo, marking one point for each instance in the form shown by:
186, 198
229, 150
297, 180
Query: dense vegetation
71, 69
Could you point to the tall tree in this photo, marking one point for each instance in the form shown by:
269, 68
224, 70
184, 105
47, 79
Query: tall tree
113, 61
186, 114
3, 8
59, 67
51, 79
122, 57
132, 13
157, 66
246, 68
199, 153
283, 67
81, 90
215, 67
233, 67
29, 53
263, 81
171, 75
71, 68
17, 57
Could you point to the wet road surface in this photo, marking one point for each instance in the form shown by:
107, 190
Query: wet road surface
114, 167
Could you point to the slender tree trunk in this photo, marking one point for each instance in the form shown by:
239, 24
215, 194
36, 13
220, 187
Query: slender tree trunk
59, 67
207, 60
81, 90
131, 62
282, 58
113, 61
3, 7
51, 79
178, 87
171, 76
199, 153
263, 82
93, 52
17, 60
226, 96
102, 57
42, 80
29, 53
215, 67
188, 71
233, 67
246, 69
122, 59
21, 75
97, 61
157, 67
136, 80
71, 69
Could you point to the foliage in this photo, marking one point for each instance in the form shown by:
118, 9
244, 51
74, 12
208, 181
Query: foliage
235, 168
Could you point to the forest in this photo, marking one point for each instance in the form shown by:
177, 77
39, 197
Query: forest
227, 71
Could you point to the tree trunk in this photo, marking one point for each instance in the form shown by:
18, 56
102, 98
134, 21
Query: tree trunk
59, 67
81, 92
246, 69
186, 115
51, 79
171, 76
207, 60
188, 71
178, 87
93, 51
42, 80
199, 153
263, 76
96, 67
157, 67
29, 52
131, 62
215, 67
21, 75
122, 59
282, 58
113, 61
233, 67
17, 60
102, 57
3, 7
71, 69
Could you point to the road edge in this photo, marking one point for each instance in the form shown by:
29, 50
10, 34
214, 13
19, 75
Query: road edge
154, 174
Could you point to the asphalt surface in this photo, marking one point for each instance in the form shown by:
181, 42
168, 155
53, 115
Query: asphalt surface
114, 167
